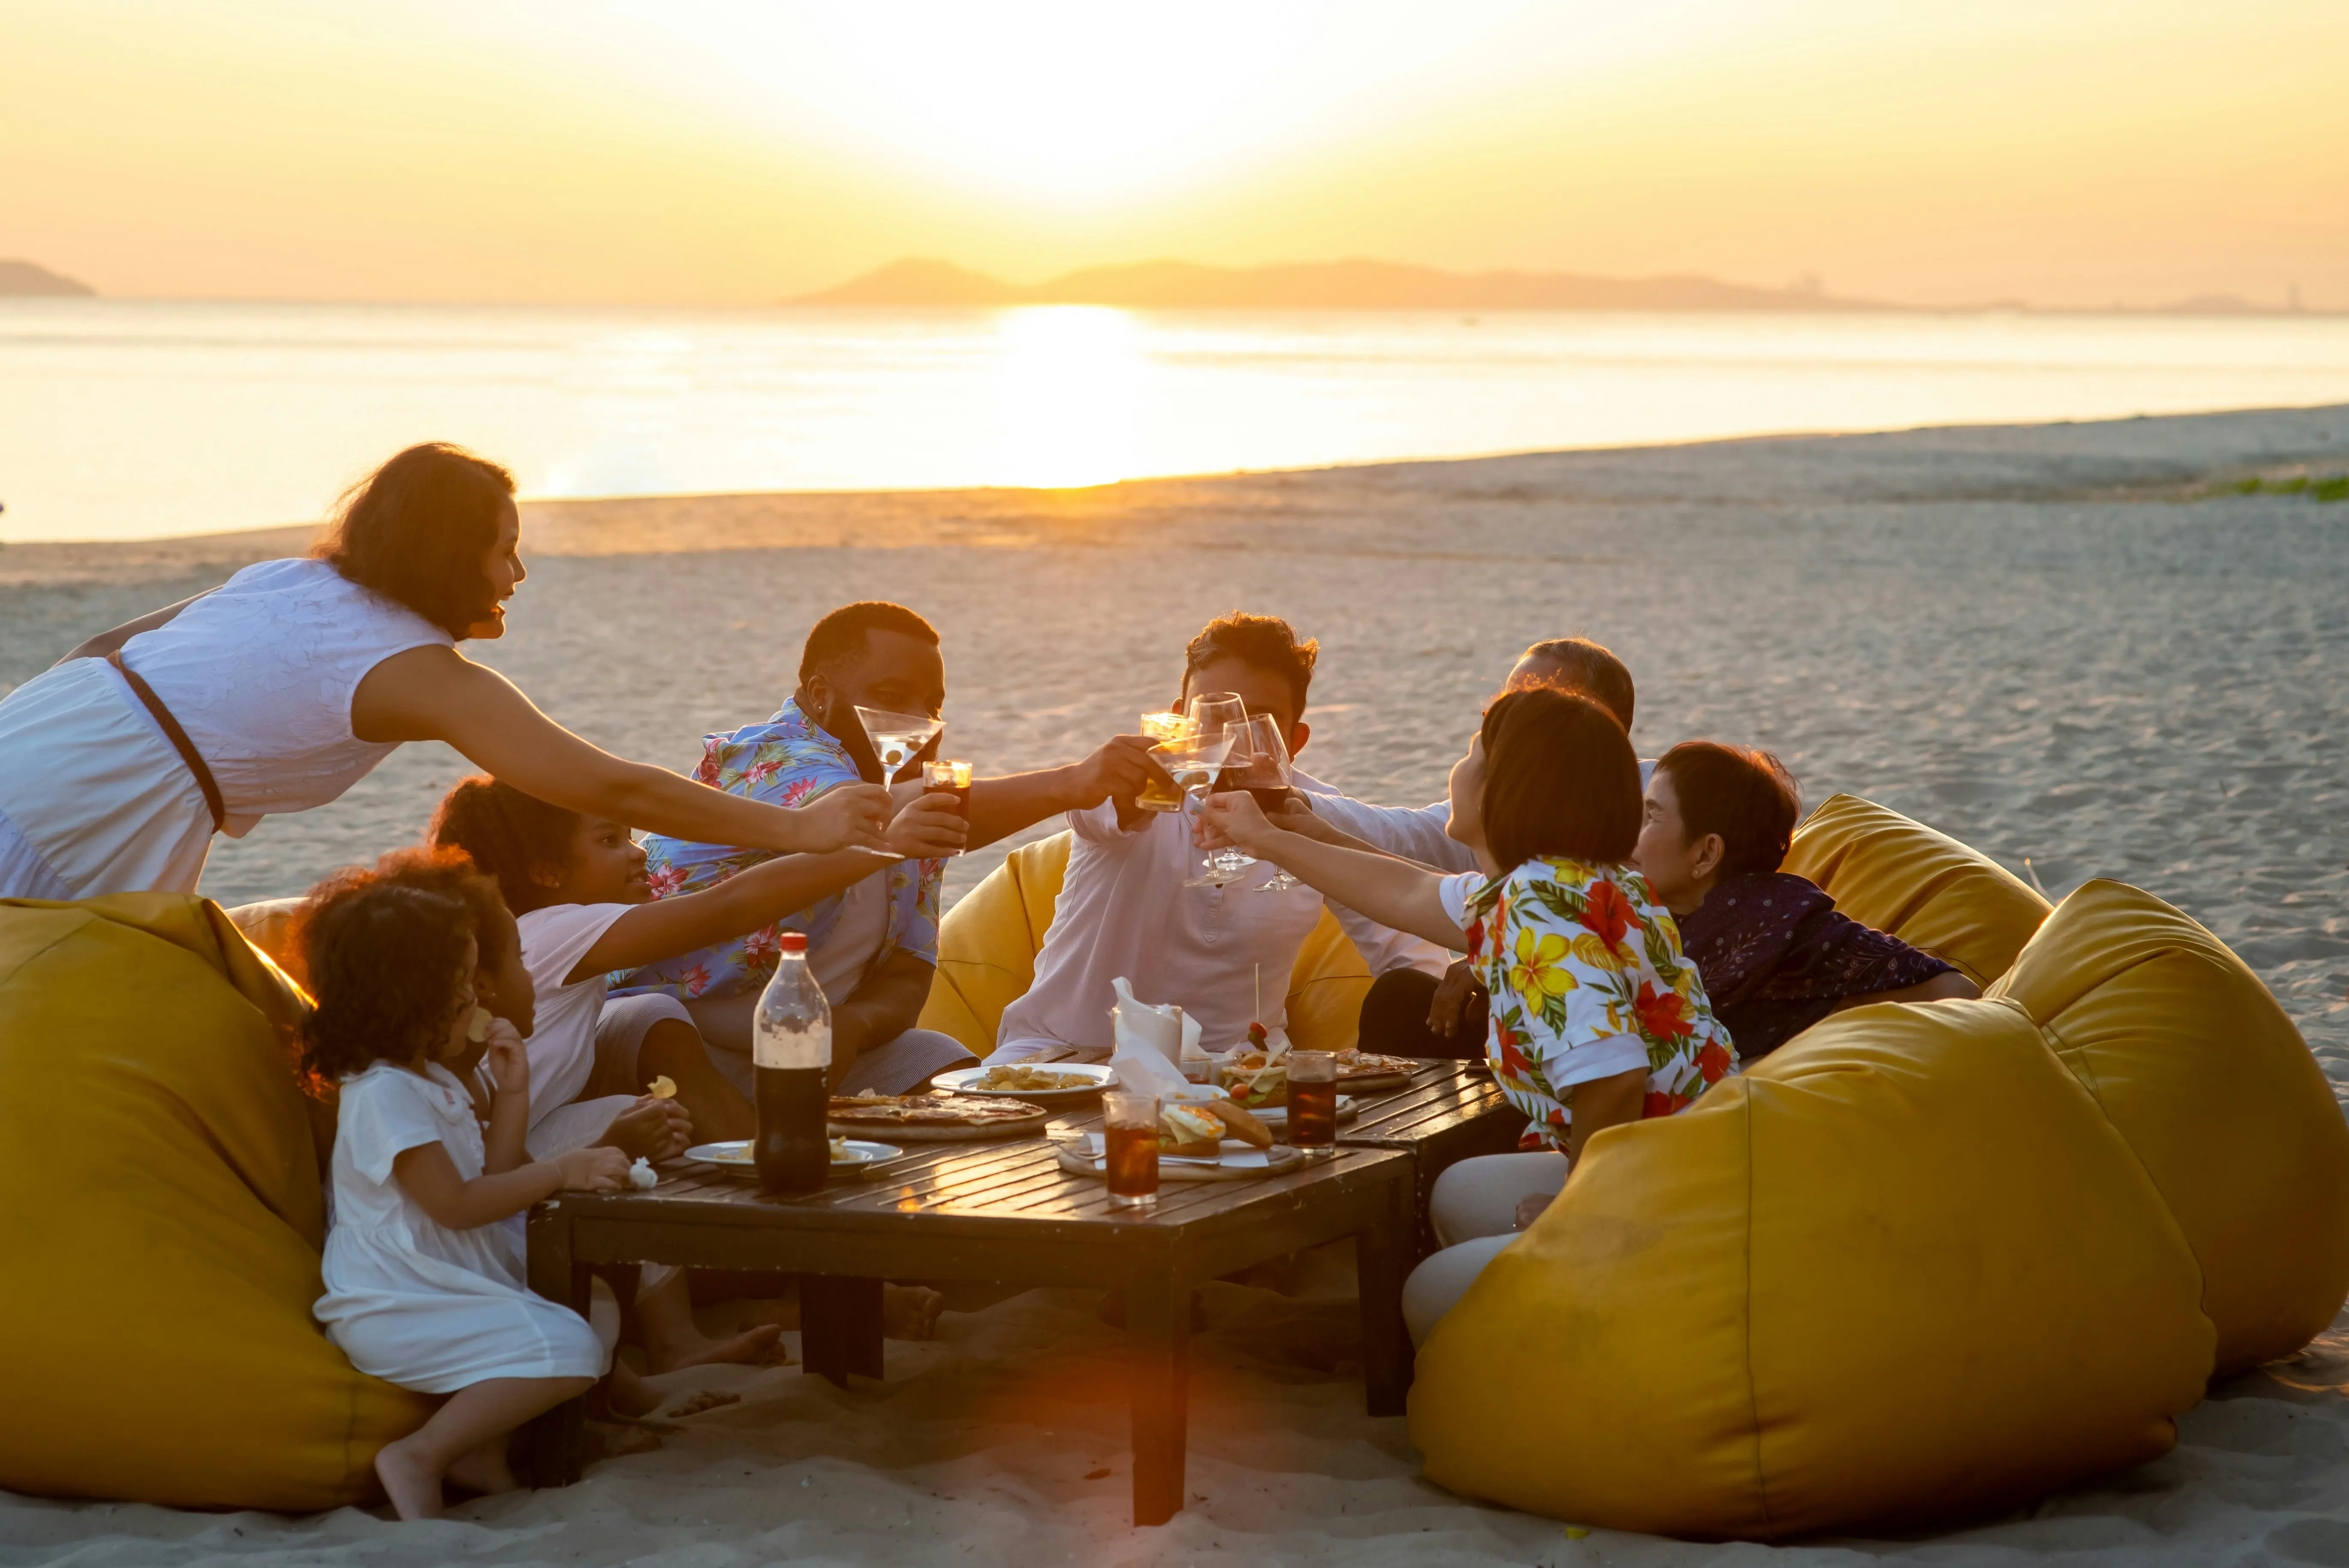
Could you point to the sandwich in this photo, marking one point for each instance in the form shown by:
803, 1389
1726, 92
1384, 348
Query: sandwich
1241, 1123
1189, 1130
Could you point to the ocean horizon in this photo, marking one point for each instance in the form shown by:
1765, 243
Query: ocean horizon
133, 418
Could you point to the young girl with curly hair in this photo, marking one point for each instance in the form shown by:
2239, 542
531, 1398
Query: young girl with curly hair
424, 1284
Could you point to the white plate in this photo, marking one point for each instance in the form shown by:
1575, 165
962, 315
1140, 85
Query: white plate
972, 1081
735, 1154
1277, 1116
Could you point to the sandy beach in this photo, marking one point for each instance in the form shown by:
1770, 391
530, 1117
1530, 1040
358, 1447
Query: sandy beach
2069, 643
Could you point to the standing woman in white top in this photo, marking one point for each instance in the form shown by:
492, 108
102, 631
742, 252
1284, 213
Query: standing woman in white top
286, 685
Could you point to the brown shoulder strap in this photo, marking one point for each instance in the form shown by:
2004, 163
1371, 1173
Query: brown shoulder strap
178, 737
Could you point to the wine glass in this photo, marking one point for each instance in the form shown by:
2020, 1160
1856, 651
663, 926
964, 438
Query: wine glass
1209, 711
897, 737
1264, 774
1193, 763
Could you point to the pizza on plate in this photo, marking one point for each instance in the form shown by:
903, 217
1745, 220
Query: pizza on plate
935, 1108
1353, 1063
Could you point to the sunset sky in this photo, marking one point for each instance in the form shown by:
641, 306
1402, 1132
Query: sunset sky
2076, 153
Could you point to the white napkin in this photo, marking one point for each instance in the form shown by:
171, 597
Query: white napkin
1149, 1041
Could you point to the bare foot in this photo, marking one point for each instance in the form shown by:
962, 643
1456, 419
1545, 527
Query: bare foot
707, 1400
485, 1470
747, 1349
627, 1394
910, 1311
414, 1490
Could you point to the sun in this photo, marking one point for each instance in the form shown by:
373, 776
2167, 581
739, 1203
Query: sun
1048, 100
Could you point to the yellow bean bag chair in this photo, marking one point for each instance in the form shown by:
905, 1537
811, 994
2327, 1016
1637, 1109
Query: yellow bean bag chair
2201, 1071
1903, 1271
1929, 890
1922, 1261
987, 945
164, 1224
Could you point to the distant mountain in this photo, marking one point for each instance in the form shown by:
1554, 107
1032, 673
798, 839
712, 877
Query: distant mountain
25, 278
1317, 286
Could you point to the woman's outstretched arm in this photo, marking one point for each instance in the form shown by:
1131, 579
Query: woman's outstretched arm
1394, 892
104, 643
437, 694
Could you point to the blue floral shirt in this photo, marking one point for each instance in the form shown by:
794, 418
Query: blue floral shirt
786, 761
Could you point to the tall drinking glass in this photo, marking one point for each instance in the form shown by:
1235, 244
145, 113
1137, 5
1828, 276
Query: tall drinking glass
1164, 728
1313, 1102
1130, 1131
949, 778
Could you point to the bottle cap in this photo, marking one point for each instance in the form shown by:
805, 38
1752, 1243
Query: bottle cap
794, 942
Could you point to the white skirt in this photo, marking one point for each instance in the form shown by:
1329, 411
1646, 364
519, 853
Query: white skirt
97, 796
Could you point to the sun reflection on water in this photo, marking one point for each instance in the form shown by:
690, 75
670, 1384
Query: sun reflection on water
1068, 393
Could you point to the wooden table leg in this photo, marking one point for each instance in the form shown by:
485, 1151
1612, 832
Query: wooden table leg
552, 1446
840, 1327
865, 1347
1383, 1254
1158, 1344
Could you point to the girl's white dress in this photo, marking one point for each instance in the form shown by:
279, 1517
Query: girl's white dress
409, 1300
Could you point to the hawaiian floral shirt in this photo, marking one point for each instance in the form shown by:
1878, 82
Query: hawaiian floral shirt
1587, 976
786, 761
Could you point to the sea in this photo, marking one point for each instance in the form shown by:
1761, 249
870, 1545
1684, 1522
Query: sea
126, 419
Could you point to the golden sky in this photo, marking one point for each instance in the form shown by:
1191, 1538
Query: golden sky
2067, 151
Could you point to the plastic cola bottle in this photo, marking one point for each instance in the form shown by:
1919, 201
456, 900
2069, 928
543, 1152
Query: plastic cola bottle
790, 1058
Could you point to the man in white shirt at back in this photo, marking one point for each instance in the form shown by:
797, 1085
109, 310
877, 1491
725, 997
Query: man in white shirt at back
1214, 950
1406, 1014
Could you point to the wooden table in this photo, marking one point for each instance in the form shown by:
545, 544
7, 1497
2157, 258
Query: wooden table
1448, 1111
1007, 1213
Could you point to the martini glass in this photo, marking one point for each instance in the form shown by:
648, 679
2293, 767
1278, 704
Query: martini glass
897, 736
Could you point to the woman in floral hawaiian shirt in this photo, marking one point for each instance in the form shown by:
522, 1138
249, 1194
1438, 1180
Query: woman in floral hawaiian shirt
1596, 1018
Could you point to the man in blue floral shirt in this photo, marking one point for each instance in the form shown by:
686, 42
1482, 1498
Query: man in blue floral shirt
873, 946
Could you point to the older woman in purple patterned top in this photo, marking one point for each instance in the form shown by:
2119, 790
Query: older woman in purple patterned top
1775, 955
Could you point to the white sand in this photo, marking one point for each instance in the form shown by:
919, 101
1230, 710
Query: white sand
2050, 641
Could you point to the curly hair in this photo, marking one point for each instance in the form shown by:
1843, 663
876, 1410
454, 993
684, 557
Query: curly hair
518, 838
389, 968
415, 531
1266, 643
844, 635
446, 871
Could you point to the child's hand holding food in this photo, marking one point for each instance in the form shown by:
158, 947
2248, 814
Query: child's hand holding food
507, 1057
597, 1169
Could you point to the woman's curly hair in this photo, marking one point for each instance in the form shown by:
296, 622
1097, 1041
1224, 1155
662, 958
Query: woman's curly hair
524, 842
389, 965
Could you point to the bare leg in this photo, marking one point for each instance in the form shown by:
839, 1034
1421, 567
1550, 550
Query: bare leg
674, 1050
486, 1470
412, 1468
672, 1339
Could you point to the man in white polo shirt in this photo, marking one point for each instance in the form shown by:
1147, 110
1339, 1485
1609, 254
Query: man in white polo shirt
1124, 908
